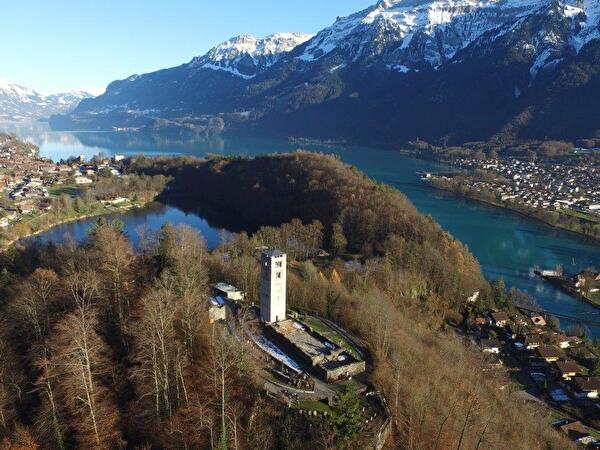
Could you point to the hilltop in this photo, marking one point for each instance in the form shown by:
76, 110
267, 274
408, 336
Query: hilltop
161, 374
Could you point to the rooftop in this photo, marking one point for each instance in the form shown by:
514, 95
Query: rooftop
499, 316
587, 384
217, 301
224, 287
548, 351
273, 253
569, 367
575, 430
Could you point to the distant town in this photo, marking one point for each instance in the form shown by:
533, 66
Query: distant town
538, 185
29, 184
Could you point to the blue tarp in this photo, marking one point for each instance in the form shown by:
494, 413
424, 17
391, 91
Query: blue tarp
218, 301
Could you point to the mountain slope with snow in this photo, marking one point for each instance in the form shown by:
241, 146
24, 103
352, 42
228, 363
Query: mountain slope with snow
450, 70
207, 84
18, 102
245, 56
411, 33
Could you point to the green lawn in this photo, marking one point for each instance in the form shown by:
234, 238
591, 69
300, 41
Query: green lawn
313, 405
595, 297
581, 215
57, 191
324, 330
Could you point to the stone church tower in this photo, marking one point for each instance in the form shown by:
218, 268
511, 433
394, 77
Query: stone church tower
273, 286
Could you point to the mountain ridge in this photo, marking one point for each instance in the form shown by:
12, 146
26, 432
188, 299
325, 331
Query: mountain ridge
398, 70
247, 50
18, 102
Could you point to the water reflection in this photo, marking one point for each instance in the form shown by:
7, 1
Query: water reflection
506, 244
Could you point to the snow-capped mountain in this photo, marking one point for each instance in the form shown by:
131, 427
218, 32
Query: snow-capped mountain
407, 35
208, 81
246, 55
18, 102
441, 70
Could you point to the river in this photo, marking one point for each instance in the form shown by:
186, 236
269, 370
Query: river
506, 244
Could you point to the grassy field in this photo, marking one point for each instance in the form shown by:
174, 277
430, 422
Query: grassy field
593, 218
330, 334
57, 191
313, 405
594, 297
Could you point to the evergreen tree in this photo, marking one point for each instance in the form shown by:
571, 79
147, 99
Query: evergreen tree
347, 416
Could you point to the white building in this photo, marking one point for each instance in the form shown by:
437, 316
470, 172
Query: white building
83, 180
229, 292
273, 286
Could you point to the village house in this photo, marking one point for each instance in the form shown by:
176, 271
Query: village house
576, 432
490, 345
561, 340
499, 319
82, 180
216, 309
538, 320
229, 292
26, 209
548, 353
568, 369
532, 341
585, 387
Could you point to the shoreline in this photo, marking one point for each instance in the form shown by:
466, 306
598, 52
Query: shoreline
522, 213
560, 283
8, 244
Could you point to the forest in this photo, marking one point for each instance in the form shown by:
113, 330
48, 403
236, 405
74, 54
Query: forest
104, 345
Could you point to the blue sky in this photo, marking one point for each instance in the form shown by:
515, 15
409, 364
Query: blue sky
57, 45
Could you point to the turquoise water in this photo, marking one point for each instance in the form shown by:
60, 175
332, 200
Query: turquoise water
507, 245
138, 224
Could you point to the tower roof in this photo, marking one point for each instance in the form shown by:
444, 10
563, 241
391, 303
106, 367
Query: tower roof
273, 253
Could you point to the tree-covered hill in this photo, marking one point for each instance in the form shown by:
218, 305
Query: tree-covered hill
103, 347
370, 217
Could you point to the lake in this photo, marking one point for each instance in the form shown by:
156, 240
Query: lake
506, 244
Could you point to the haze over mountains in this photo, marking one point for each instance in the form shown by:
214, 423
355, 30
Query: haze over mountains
18, 102
439, 70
